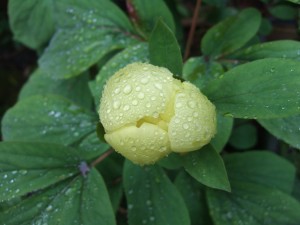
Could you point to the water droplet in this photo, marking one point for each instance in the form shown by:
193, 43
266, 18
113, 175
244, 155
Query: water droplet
117, 91
195, 114
49, 208
192, 104
127, 89
148, 105
135, 102
144, 80
141, 95
126, 107
178, 104
116, 104
177, 120
158, 86
133, 148
185, 126
138, 88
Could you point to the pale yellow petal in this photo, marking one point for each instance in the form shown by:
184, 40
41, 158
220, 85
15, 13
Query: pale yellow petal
194, 122
138, 90
142, 145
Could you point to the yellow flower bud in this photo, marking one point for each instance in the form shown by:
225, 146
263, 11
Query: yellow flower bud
146, 114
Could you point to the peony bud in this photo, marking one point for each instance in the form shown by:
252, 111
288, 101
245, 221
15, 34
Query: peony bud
146, 114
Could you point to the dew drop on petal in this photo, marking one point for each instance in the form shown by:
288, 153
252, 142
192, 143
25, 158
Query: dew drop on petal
141, 95
127, 89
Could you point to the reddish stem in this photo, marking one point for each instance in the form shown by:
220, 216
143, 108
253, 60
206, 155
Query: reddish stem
192, 30
102, 157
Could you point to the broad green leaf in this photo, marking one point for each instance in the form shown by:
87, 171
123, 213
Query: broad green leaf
244, 136
80, 200
146, 13
27, 167
224, 126
75, 89
263, 89
31, 21
284, 11
194, 197
294, 1
152, 198
131, 54
200, 72
231, 34
274, 49
92, 146
88, 31
111, 169
296, 191
207, 167
164, 49
47, 119
173, 161
286, 129
261, 183
261, 167
252, 204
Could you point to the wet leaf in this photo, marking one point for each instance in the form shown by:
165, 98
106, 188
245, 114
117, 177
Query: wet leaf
152, 198
194, 197
275, 49
286, 129
263, 168
75, 201
207, 167
200, 73
47, 119
75, 89
262, 89
231, 34
135, 53
28, 23
88, 30
27, 167
224, 126
164, 49
146, 13
261, 183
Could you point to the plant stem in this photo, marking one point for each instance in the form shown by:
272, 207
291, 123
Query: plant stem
102, 157
192, 31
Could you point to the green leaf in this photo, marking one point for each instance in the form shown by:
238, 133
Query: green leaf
88, 31
286, 129
173, 161
47, 119
294, 1
252, 204
263, 168
27, 167
92, 146
75, 89
207, 167
200, 72
274, 49
261, 183
194, 197
244, 136
131, 54
31, 21
263, 89
224, 126
164, 49
283, 11
152, 198
81, 200
231, 34
146, 13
